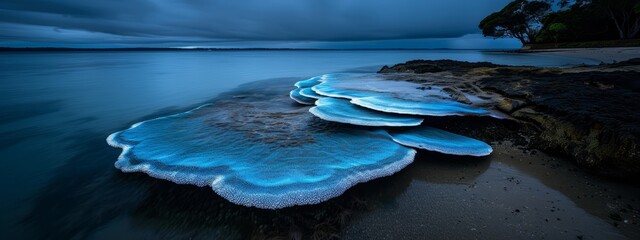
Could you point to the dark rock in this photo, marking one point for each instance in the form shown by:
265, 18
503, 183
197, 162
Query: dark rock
508, 105
384, 69
457, 95
590, 113
630, 62
433, 66
595, 124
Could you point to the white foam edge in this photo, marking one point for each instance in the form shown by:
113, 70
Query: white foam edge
359, 102
311, 196
310, 96
111, 139
262, 200
298, 100
354, 121
441, 150
266, 201
333, 95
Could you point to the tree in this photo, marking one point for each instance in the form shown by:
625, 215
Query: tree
520, 19
625, 14
557, 29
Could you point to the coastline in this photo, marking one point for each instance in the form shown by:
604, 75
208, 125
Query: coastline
518, 188
515, 188
604, 55
586, 112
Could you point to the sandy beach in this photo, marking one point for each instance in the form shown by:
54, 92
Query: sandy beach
576, 126
605, 55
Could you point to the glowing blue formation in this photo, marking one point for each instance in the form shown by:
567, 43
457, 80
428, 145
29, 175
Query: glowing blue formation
328, 89
382, 93
303, 93
260, 151
309, 82
353, 85
265, 152
437, 140
296, 96
424, 108
402, 97
340, 110
307, 92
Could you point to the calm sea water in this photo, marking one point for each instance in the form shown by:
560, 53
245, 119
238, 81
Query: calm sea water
56, 109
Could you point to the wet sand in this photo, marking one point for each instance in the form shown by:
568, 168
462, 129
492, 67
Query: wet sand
513, 194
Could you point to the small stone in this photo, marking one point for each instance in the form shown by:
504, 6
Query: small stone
510, 105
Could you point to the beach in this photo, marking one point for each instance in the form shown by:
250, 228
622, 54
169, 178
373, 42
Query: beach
605, 55
574, 129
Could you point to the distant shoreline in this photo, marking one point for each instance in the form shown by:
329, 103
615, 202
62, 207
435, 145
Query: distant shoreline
605, 55
63, 49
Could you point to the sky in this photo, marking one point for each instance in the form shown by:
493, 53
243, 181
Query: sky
248, 23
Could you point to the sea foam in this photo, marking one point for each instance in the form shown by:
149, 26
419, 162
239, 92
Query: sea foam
260, 151
341, 110
433, 139
296, 96
379, 92
265, 152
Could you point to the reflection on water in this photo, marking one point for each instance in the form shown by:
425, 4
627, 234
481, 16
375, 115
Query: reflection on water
56, 109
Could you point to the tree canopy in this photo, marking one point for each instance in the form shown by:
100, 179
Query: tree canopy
519, 19
625, 14
572, 21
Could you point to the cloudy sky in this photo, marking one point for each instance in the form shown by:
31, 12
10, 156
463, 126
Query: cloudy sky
248, 23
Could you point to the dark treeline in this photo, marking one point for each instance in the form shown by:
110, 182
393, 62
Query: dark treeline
553, 21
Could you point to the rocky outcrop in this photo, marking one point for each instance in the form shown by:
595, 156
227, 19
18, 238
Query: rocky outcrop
425, 66
591, 113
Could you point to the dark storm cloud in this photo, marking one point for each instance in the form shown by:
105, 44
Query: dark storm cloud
193, 21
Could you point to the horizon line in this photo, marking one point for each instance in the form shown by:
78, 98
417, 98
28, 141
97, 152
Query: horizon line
18, 49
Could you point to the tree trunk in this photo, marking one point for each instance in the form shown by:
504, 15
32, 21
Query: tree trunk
520, 37
615, 21
634, 29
